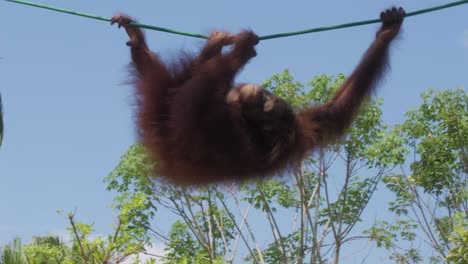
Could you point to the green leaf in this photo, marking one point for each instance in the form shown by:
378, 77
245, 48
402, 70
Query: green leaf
1, 120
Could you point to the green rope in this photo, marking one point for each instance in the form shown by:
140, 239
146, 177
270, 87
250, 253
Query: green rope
360, 23
107, 19
280, 35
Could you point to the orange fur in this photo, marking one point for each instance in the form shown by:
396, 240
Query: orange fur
200, 130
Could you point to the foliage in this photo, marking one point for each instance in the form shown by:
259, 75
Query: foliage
12, 253
433, 198
438, 131
49, 250
130, 235
458, 254
1, 120
131, 232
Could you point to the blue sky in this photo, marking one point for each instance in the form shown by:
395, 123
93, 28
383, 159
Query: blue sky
68, 117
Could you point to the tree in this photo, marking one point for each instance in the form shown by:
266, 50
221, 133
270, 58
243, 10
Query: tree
12, 253
323, 199
432, 198
309, 213
49, 250
129, 238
